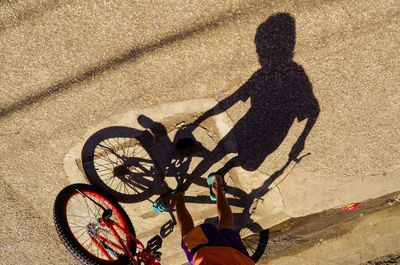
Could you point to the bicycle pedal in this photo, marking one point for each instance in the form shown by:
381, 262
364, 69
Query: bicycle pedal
154, 244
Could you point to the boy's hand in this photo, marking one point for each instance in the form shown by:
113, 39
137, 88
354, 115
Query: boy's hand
296, 150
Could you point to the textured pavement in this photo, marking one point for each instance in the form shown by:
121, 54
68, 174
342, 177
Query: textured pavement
68, 67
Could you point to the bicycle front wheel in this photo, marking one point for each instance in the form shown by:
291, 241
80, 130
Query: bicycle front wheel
117, 159
76, 216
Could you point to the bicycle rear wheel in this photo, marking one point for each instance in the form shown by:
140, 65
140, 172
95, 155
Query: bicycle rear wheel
76, 219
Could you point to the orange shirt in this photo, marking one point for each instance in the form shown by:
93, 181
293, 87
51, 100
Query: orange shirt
212, 255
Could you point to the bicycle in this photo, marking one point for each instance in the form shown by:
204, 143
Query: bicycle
104, 233
130, 161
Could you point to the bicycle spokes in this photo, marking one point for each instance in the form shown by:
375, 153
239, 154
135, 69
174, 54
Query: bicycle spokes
124, 165
85, 213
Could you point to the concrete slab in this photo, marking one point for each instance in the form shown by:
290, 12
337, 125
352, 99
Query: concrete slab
172, 117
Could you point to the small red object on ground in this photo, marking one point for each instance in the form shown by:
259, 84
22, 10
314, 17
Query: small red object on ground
352, 206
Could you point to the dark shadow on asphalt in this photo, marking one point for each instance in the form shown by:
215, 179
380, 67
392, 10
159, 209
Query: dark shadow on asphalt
131, 163
101, 68
280, 93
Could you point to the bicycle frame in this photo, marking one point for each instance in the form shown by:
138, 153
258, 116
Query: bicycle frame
142, 255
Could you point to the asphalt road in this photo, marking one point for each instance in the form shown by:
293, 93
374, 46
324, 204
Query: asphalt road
67, 66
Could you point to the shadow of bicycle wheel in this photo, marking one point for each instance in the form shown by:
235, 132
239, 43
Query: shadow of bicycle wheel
118, 160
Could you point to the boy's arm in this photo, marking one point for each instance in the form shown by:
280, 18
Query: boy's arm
308, 109
243, 93
299, 145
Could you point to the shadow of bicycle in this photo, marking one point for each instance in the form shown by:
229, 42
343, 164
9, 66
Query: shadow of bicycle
131, 164
125, 162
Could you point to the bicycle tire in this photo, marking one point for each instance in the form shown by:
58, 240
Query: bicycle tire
67, 224
127, 181
256, 244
